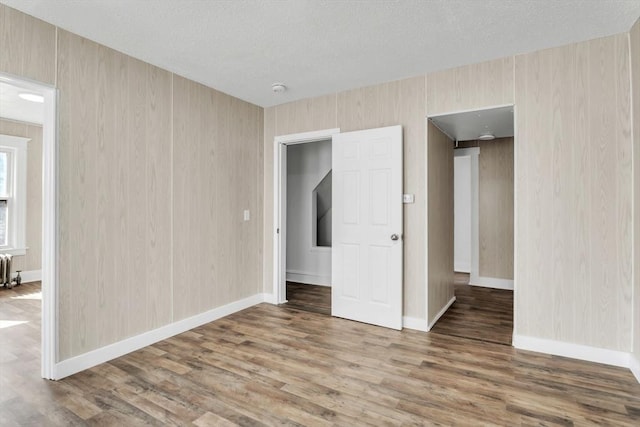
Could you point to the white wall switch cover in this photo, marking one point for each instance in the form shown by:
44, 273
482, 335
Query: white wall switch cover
247, 215
408, 198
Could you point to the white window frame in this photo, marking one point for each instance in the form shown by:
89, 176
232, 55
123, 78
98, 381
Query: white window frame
17, 206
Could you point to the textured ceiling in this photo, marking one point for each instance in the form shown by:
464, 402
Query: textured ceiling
469, 125
317, 47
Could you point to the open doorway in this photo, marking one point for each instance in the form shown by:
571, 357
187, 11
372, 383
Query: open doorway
483, 232
302, 220
308, 226
27, 226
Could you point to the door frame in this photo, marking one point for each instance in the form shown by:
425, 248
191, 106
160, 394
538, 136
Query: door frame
49, 280
280, 144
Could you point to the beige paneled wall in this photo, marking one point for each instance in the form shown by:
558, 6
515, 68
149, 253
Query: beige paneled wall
470, 87
155, 172
440, 220
216, 260
27, 46
573, 186
400, 102
495, 208
115, 195
635, 87
33, 258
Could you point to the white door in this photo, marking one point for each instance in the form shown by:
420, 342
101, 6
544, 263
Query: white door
367, 226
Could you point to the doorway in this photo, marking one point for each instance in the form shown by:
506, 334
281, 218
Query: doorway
30, 235
298, 259
483, 232
308, 226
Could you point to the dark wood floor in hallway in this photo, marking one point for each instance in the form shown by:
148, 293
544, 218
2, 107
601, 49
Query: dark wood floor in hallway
479, 313
270, 365
314, 298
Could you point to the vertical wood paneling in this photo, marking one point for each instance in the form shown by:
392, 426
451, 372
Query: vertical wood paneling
216, 254
267, 185
574, 191
634, 36
27, 45
33, 258
158, 193
306, 115
78, 219
495, 210
120, 189
115, 196
470, 87
400, 102
440, 220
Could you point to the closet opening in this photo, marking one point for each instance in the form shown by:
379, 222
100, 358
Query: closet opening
482, 237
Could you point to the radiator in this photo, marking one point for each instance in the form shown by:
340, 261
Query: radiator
5, 271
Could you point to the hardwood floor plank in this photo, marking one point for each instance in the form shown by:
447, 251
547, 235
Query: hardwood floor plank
484, 314
276, 365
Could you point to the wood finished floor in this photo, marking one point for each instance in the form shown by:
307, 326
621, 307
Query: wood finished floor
270, 365
314, 298
484, 314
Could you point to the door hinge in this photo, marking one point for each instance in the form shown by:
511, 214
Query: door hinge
277, 231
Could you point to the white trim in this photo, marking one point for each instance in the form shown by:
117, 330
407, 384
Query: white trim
471, 110
414, 323
308, 278
634, 365
462, 267
269, 299
120, 348
574, 351
492, 282
440, 313
279, 198
515, 208
29, 276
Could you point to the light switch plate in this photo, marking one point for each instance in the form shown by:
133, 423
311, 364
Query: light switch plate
408, 198
247, 215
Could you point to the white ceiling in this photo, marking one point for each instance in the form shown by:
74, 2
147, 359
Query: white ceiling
15, 108
317, 47
468, 126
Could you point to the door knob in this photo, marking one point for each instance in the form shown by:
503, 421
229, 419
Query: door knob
394, 237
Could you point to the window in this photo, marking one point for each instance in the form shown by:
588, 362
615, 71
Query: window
13, 194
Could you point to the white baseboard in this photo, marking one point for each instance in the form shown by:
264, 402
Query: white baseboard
104, 354
574, 351
440, 313
269, 298
29, 276
414, 323
491, 282
462, 267
307, 278
634, 365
